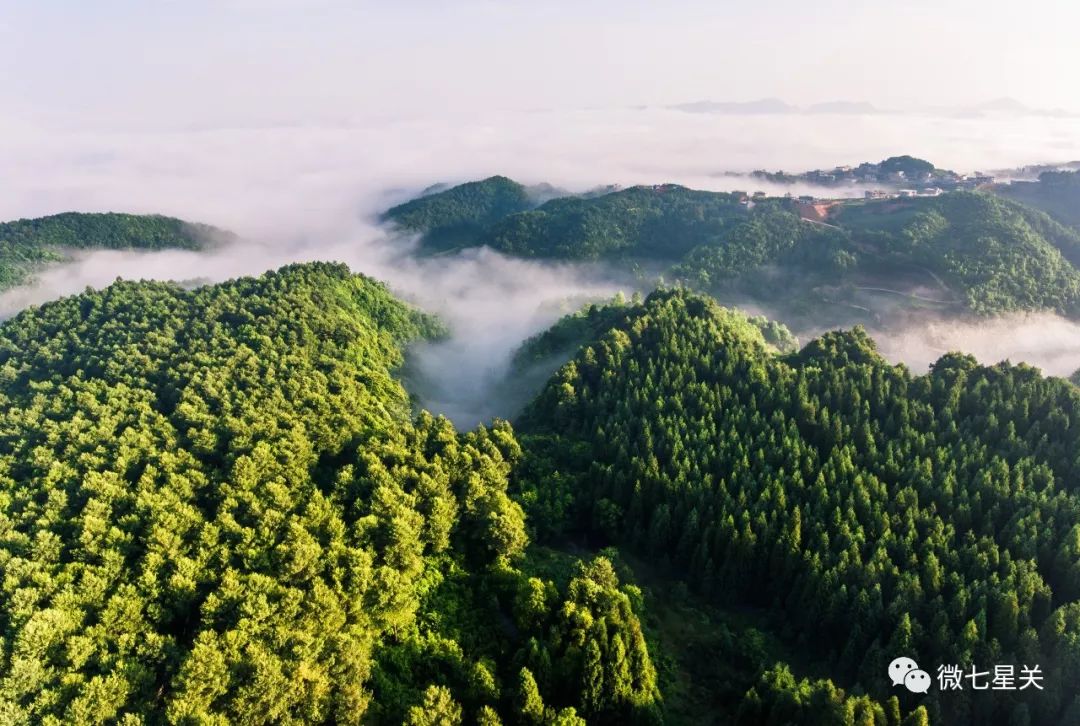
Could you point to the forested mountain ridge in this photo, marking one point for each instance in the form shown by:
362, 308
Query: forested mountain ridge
1056, 192
454, 216
875, 513
999, 255
975, 252
217, 507
29, 243
165, 548
572, 331
662, 222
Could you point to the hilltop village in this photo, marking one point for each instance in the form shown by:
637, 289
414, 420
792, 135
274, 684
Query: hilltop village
898, 177
907, 172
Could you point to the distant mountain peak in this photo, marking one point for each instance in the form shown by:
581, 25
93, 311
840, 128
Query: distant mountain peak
762, 105
843, 107
774, 106
1003, 105
1012, 107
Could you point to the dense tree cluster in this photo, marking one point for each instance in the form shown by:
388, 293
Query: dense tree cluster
988, 254
515, 645
570, 332
165, 542
216, 506
663, 222
778, 698
998, 254
909, 166
28, 243
876, 513
219, 506
456, 216
1056, 192
769, 232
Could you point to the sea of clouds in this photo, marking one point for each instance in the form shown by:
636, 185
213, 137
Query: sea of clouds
305, 191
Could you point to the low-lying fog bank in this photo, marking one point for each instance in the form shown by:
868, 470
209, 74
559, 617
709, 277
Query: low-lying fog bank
492, 303
1045, 340
308, 192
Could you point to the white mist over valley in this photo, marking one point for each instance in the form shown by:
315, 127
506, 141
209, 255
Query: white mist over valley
313, 192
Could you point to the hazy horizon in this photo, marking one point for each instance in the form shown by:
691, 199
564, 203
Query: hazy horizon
242, 62
311, 192
390, 447
294, 124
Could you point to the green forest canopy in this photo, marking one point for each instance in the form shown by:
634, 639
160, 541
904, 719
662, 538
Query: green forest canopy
453, 216
909, 166
992, 255
26, 244
1000, 255
873, 512
218, 506
1056, 193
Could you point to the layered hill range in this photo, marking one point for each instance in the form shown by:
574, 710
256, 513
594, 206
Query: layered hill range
814, 261
27, 245
224, 504
1056, 192
220, 506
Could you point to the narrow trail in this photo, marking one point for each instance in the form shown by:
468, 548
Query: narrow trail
907, 295
823, 224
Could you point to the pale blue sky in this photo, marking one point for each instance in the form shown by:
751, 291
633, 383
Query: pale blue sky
236, 61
